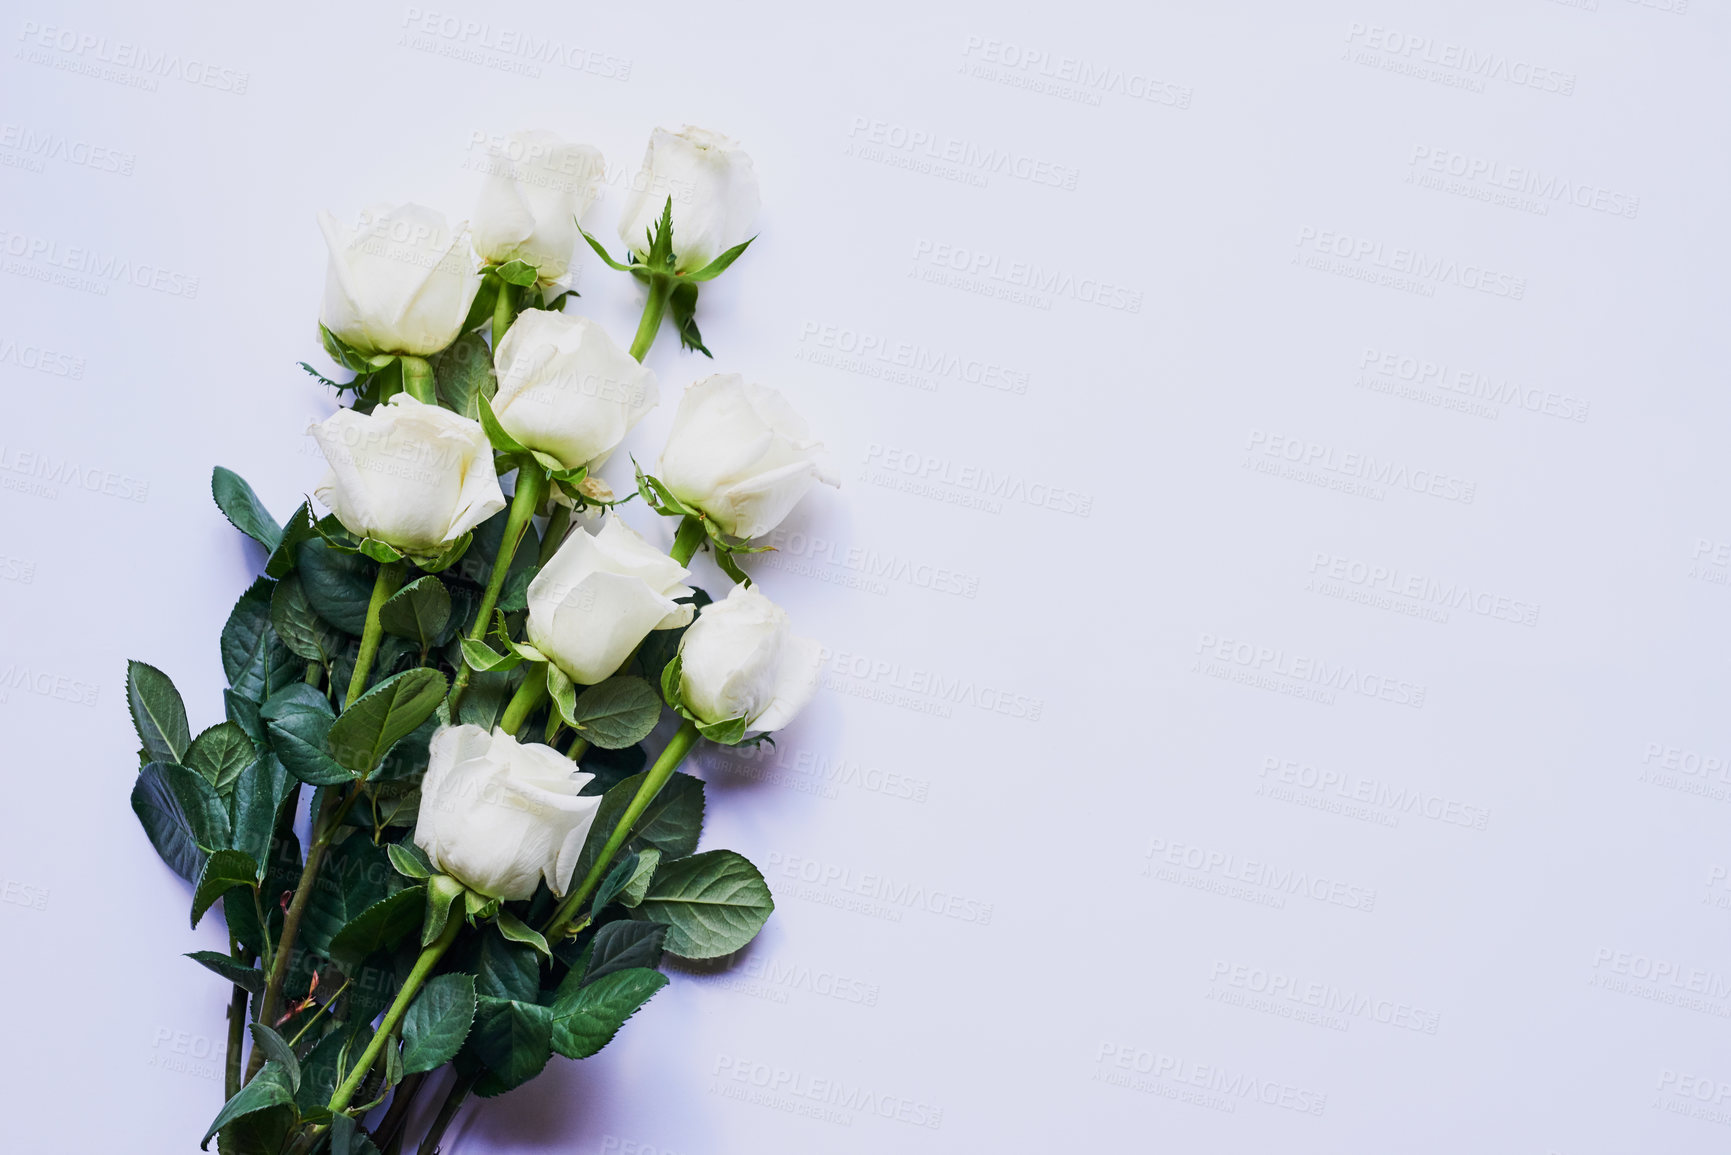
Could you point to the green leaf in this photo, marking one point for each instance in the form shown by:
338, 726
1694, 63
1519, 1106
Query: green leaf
243, 508
516, 592
514, 1039
158, 714
223, 871
713, 903
638, 885
344, 354
505, 969
682, 305
382, 552
248, 979
442, 891
515, 272
673, 822
219, 754
253, 805
719, 265
437, 1022
243, 712
181, 815
463, 373
254, 660
374, 722
613, 883
619, 712
496, 434
339, 585
728, 733
356, 877
601, 252
586, 1017
485, 702
658, 497
302, 526
514, 929
409, 860
480, 658
622, 945
563, 693
270, 1089
418, 611
277, 1050
299, 719
301, 629
380, 926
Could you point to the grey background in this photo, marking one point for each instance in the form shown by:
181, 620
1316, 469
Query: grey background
1198, 768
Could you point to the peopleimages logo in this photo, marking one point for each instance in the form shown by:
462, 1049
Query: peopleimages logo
800, 1089
1013, 277
1546, 188
1117, 1063
1469, 384
1324, 997
1319, 674
87, 269
1360, 469
85, 51
1070, 77
1231, 868
1471, 62
1374, 258
1375, 795
1376, 581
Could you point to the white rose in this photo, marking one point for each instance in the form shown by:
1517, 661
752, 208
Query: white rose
566, 389
738, 660
500, 815
714, 191
537, 187
741, 454
401, 284
599, 596
413, 475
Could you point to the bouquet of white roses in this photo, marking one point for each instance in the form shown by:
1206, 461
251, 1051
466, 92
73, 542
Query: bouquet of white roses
455, 688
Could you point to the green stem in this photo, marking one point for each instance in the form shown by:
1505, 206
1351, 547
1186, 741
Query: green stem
394, 1017
504, 312
447, 1112
236, 1026
531, 485
558, 522
677, 749
390, 577
660, 288
418, 379
579, 747
686, 541
323, 1007
524, 701
332, 808
388, 1135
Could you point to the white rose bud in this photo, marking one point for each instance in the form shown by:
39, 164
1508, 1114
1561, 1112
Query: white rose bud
566, 389
739, 660
537, 186
412, 475
500, 815
402, 283
714, 191
599, 596
740, 454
